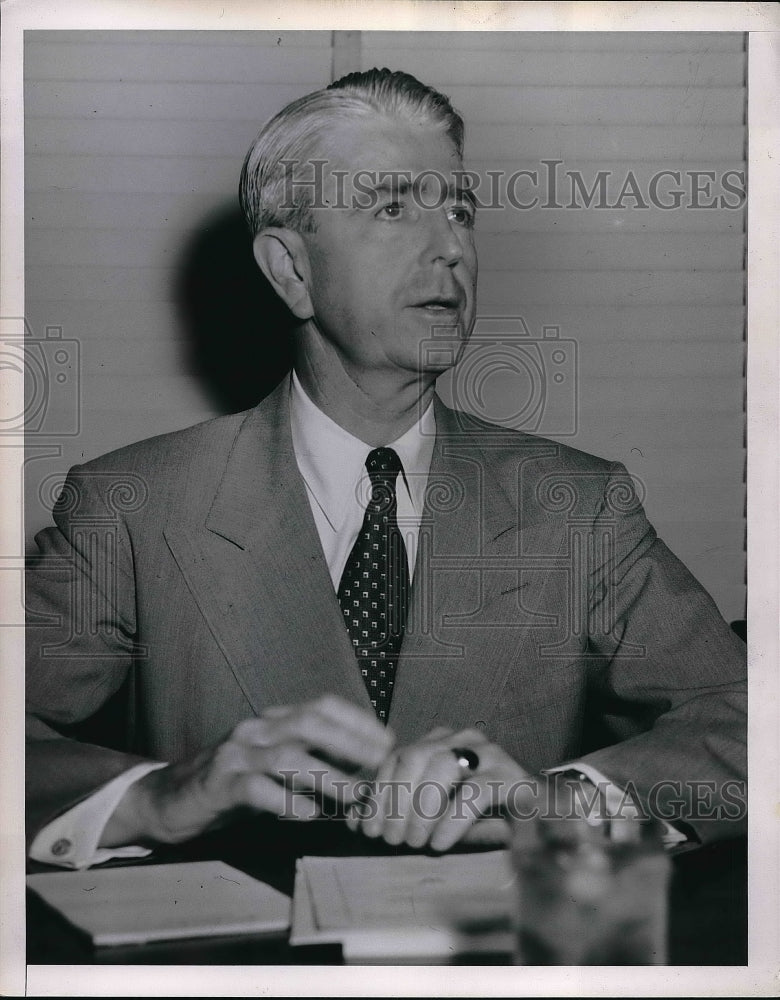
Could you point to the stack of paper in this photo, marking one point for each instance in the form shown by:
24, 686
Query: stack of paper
405, 908
160, 902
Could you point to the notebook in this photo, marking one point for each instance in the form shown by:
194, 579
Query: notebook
140, 903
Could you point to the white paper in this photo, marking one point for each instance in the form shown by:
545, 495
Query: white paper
397, 908
162, 902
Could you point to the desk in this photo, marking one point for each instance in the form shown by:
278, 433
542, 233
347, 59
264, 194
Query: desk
708, 903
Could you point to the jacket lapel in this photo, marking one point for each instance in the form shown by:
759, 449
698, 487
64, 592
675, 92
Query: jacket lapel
465, 627
257, 571
258, 574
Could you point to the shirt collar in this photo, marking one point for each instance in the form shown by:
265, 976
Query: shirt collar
332, 461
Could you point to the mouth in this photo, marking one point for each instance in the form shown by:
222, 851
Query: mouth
440, 304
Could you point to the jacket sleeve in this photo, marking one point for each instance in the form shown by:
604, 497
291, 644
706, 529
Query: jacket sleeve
668, 674
80, 638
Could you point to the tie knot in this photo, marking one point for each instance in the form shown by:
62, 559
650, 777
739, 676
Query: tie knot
383, 465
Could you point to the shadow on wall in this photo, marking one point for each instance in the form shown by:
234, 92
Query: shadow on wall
238, 333
238, 339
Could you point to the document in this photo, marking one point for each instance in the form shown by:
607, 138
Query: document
414, 907
133, 905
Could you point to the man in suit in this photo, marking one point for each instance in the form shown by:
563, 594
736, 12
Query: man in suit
513, 610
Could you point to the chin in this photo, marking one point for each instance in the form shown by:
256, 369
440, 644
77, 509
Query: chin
436, 355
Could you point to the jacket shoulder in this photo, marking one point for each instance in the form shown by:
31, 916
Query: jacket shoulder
508, 441
171, 450
153, 478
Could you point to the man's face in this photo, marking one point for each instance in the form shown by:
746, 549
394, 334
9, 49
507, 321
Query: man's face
389, 274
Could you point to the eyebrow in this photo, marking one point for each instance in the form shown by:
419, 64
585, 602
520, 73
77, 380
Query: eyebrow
402, 186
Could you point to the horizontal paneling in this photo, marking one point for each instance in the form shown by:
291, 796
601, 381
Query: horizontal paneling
133, 62
605, 287
105, 137
661, 325
691, 358
217, 44
708, 503
110, 324
88, 134
596, 141
610, 251
588, 69
145, 355
565, 287
140, 173
134, 140
661, 466
620, 398
104, 284
114, 247
184, 209
529, 105
556, 43
594, 251
153, 100
600, 105
584, 184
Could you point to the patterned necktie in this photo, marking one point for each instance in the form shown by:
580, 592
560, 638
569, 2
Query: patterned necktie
374, 588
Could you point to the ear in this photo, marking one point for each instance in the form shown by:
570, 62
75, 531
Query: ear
281, 256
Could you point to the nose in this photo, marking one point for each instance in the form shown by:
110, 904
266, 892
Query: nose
444, 239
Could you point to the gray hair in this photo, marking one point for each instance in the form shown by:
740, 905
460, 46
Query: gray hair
295, 134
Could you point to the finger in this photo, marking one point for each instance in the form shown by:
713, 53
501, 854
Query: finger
353, 721
398, 788
376, 801
478, 795
261, 792
329, 726
470, 800
301, 771
352, 819
394, 804
434, 792
426, 774
364, 792
432, 797
292, 766
326, 737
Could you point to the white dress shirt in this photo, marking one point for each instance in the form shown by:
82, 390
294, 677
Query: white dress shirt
332, 464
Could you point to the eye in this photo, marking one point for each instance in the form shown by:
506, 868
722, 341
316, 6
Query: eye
392, 210
462, 215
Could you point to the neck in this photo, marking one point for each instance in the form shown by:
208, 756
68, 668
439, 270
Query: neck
375, 407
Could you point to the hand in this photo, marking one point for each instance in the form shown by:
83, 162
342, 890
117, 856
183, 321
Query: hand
264, 763
421, 796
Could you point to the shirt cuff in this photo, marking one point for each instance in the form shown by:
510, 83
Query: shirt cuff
616, 800
70, 840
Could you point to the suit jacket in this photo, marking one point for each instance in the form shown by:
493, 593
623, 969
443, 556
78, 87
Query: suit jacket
545, 612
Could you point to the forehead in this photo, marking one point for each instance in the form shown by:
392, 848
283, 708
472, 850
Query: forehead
377, 143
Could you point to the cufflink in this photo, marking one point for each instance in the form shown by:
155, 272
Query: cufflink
61, 847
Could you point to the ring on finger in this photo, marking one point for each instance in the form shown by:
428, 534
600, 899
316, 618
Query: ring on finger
468, 760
